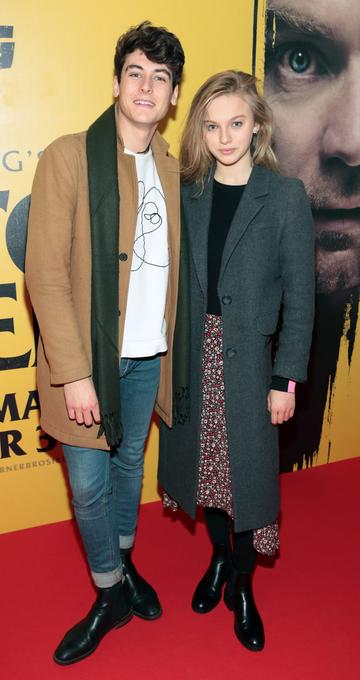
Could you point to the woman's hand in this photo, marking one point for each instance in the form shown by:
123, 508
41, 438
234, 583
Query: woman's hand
281, 405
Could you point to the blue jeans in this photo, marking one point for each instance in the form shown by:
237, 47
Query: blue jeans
106, 485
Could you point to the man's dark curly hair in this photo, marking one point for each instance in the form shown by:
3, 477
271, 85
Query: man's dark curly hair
158, 45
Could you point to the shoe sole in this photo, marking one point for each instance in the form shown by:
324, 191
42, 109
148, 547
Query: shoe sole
121, 623
153, 617
246, 645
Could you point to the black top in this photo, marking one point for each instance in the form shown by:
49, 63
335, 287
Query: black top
225, 200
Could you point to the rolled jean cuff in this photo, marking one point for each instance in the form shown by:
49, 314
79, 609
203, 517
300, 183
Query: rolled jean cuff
107, 578
126, 542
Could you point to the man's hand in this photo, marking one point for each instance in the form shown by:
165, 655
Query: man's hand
81, 402
281, 406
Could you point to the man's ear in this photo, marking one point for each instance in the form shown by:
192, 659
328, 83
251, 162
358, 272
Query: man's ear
116, 87
174, 96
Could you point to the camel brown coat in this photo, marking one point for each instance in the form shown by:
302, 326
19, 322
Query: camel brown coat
58, 274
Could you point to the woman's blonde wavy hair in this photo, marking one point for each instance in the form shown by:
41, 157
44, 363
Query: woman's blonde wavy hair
195, 159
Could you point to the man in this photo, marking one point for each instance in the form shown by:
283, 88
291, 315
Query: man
102, 270
312, 76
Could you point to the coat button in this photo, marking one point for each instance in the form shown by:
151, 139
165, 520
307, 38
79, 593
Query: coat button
123, 257
231, 352
226, 299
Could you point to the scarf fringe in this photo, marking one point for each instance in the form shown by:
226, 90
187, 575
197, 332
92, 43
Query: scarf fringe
112, 427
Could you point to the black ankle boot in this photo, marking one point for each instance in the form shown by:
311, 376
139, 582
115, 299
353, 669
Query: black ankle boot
238, 597
143, 597
208, 591
111, 609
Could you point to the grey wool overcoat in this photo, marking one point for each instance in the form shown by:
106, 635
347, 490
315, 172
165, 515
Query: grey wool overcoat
266, 285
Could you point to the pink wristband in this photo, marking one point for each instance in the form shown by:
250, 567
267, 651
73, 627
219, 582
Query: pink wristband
291, 386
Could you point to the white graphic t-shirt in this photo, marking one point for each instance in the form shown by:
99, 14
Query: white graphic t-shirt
145, 328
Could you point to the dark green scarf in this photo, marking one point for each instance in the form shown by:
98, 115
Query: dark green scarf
181, 350
101, 149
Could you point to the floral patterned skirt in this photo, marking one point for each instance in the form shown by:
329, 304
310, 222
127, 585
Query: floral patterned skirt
214, 486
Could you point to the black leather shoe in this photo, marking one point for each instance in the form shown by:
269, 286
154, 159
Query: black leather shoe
143, 597
111, 609
208, 591
238, 597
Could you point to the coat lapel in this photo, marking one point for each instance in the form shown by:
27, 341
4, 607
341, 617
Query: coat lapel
252, 202
198, 219
168, 171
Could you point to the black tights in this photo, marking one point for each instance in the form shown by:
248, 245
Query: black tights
218, 525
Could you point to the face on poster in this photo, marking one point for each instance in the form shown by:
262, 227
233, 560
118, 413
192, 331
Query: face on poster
312, 83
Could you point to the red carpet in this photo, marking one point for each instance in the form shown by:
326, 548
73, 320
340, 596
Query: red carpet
309, 600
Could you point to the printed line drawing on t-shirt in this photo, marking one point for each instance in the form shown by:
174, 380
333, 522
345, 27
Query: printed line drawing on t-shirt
151, 209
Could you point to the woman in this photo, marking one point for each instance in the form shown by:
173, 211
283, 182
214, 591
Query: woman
249, 316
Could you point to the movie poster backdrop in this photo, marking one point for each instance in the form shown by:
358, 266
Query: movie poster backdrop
56, 78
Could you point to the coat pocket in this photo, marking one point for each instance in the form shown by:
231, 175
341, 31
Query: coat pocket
267, 324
